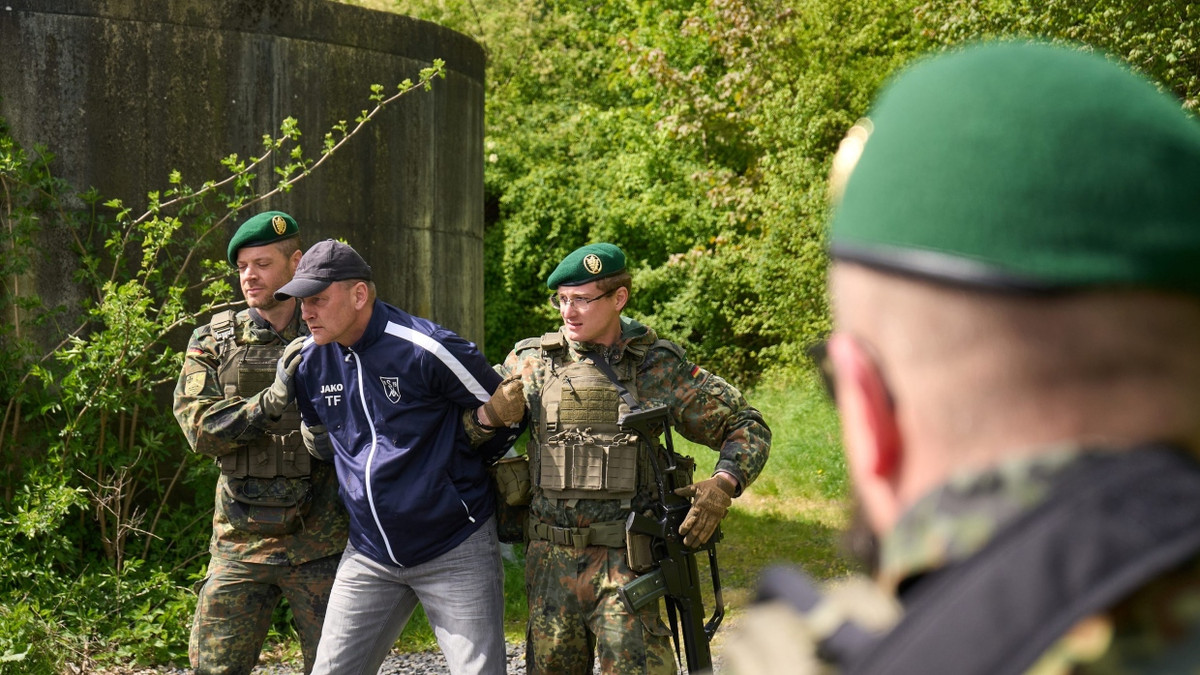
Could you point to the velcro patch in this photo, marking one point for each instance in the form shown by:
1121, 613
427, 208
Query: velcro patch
194, 384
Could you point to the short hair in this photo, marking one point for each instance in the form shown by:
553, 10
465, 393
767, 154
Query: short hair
350, 283
618, 280
971, 359
288, 246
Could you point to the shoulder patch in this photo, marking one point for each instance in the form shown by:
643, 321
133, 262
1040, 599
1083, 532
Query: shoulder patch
194, 383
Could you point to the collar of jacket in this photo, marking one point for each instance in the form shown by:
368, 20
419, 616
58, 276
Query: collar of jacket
635, 338
380, 316
295, 328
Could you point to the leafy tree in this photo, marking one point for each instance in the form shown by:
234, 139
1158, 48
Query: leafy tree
92, 563
695, 134
1159, 37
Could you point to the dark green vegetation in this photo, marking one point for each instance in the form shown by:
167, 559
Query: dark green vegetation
697, 134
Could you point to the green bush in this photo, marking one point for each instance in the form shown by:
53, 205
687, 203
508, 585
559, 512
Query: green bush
98, 550
1161, 38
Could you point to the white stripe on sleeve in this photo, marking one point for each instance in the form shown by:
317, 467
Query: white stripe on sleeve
444, 355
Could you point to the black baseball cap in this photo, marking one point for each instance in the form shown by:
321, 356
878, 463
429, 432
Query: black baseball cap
323, 264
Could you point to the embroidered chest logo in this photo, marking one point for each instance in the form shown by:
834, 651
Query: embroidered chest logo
391, 387
332, 393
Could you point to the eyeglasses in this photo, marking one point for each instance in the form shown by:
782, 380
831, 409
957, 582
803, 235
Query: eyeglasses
562, 302
819, 353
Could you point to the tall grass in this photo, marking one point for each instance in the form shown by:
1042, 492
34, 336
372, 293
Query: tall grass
795, 510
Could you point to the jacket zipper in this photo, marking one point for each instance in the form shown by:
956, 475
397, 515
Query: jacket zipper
371, 458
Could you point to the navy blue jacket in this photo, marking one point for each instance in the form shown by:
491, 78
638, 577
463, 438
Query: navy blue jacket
392, 404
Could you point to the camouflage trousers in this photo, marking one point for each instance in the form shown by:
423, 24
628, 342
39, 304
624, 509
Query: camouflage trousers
235, 604
575, 614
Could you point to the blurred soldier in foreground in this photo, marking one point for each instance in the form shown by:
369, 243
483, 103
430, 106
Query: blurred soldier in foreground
610, 499
1016, 361
279, 527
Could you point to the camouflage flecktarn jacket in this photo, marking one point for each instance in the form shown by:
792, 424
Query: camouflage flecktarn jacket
1074, 560
703, 408
271, 515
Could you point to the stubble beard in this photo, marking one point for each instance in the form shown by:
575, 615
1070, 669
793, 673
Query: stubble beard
859, 541
264, 304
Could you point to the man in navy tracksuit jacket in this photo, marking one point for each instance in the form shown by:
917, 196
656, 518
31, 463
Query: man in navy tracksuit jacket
384, 393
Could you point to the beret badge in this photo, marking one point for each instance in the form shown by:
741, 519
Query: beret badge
591, 263
279, 224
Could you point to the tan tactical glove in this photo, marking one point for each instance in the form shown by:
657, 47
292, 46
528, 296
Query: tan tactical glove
317, 441
281, 392
710, 500
506, 407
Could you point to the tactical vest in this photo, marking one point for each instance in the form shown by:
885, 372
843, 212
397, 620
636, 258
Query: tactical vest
578, 451
269, 475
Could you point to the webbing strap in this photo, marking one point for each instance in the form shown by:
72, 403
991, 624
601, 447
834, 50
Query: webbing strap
602, 364
609, 533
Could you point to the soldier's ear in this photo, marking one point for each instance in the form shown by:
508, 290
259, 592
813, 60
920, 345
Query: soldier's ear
870, 430
622, 297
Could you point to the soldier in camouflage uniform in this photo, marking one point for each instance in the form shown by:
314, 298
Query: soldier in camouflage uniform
279, 527
589, 474
1016, 363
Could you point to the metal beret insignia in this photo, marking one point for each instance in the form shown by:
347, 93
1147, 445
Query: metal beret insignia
279, 224
848, 153
591, 263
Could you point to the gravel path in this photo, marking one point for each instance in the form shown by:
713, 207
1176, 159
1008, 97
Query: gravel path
431, 663
413, 663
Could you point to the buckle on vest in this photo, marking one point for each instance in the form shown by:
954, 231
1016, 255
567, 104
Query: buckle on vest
223, 325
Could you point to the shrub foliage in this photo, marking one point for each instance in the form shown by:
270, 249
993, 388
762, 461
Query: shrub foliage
696, 134
98, 551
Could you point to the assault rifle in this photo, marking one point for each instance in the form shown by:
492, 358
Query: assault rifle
676, 576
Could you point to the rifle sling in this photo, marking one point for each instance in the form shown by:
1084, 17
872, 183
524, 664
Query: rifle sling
602, 364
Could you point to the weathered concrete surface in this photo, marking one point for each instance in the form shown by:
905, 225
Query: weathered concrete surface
124, 91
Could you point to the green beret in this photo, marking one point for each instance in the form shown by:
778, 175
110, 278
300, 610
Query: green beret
587, 263
1023, 166
264, 228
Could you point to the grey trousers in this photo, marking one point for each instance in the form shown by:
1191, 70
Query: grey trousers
462, 592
